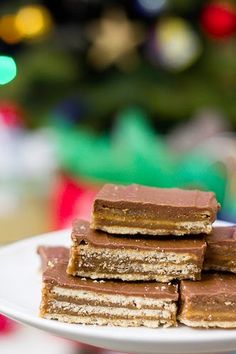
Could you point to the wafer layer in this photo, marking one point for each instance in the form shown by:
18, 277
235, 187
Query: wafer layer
153, 211
98, 255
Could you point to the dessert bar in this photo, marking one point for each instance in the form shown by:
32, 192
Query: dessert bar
98, 255
80, 300
153, 211
221, 249
210, 302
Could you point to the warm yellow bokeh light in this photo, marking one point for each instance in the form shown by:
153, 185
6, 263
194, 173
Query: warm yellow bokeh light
32, 21
8, 30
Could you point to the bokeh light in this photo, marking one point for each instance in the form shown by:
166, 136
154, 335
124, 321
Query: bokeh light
151, 6
177, 44
8, 69
33, 21
8, 30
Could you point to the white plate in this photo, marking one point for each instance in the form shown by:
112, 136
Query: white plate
20, 283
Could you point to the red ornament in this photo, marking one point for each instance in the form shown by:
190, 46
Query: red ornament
71, 199
11, 115
6, 325
219, 20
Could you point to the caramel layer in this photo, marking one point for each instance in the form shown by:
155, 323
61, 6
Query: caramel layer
211, 316
148, 214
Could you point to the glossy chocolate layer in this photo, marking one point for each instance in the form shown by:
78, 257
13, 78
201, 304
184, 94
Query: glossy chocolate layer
221, 249
211, 284
56, 276
175, 197
160, 197
51, 255
82, 233
224, 235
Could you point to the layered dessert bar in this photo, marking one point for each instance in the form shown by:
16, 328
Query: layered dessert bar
210, 302
137, 209
85, 301
98, 255
221, 249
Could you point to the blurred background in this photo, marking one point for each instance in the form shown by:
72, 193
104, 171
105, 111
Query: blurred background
95, 91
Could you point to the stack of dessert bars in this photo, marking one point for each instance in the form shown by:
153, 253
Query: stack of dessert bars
139, 262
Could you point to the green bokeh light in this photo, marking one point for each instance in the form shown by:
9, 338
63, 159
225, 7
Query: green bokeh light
8, 69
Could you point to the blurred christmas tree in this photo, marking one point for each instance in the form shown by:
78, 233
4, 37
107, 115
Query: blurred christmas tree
97, 72
168, 56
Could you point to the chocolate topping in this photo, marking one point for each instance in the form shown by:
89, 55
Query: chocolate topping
53, 255
222, 235
82, 233
57, 276
169, 197
215, 284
